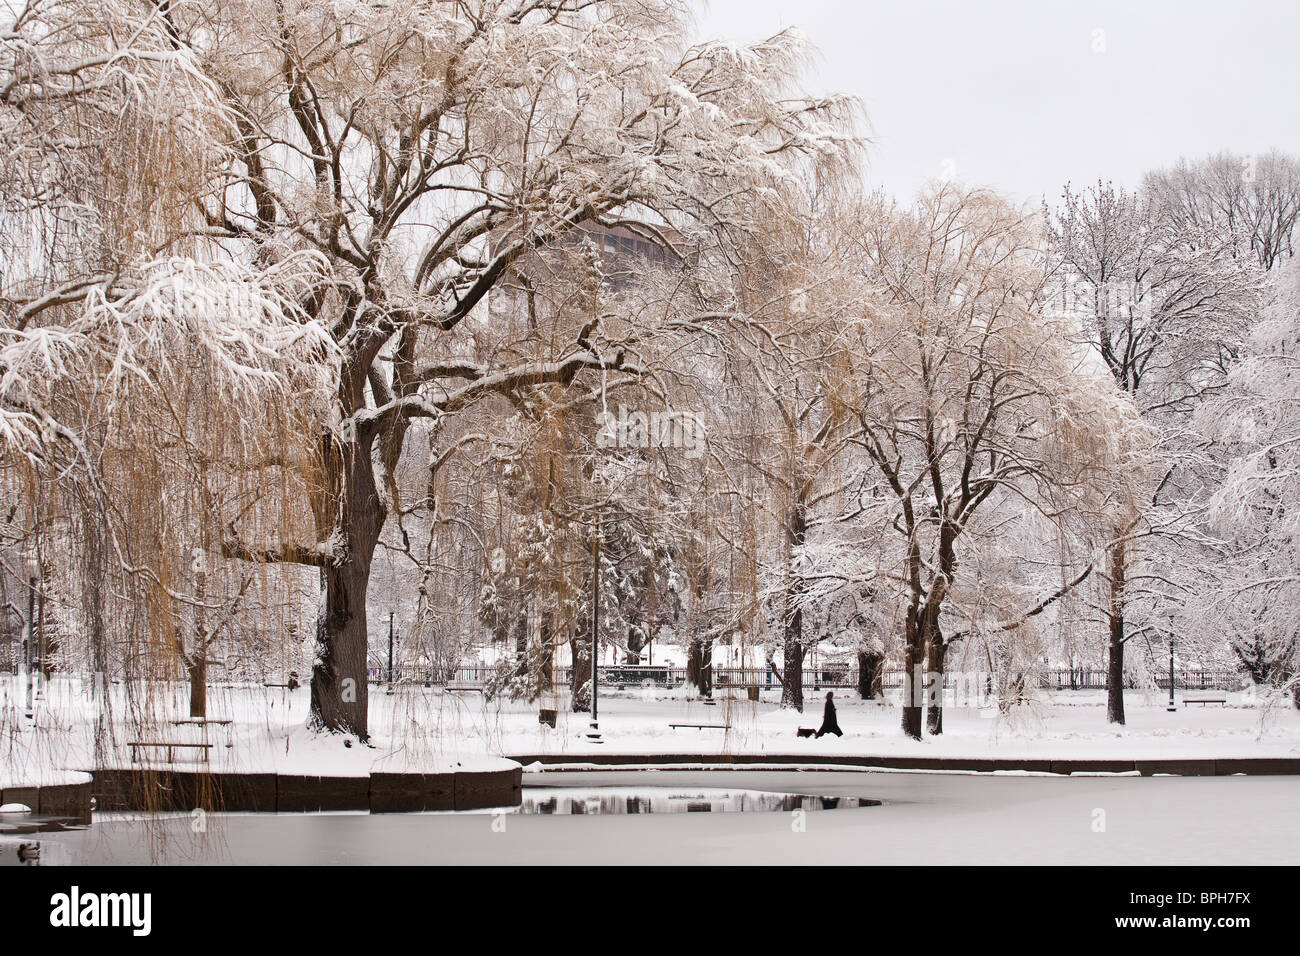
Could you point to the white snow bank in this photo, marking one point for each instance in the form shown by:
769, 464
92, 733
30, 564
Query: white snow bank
35, 775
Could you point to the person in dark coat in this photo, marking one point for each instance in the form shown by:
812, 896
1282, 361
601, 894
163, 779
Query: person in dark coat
829, 724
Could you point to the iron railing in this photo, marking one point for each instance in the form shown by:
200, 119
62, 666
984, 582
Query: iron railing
671, 676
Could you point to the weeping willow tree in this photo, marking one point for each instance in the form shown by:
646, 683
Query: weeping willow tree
795, 306
151, 386
582, 533
391, 163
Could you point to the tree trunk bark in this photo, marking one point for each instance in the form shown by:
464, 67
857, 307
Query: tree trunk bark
792, 688
869, 674
931, 632
796, 534
580, 680
1255, 661
936, 654
912, 654
699, 665
1115, 661
198, 671
521, 644
339, 689
546, 657
911, 693
636, 642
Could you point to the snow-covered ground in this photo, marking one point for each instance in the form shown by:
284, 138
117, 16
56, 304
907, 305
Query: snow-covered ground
924, 819
418, 728
1061, 724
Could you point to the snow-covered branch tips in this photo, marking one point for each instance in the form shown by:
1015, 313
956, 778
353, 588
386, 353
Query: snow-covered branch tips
664, 428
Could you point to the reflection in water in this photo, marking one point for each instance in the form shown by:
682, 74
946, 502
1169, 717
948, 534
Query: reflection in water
20, 852
616, 800
20, 845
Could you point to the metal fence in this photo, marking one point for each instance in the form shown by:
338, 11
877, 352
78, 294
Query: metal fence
670, 676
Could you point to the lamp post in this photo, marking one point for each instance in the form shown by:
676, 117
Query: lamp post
29, 639
593, 734
42, 667
391, 614
1171, 708
595, 624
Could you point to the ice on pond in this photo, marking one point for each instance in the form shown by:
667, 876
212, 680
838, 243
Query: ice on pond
17, 823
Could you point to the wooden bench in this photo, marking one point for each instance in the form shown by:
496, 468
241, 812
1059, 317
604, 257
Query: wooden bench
169, 746
702, 726
463, 689
1205, 700
201, 721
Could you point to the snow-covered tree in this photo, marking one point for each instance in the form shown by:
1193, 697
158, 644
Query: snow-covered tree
1256, 587
972, 396
136, 362
375, 171
1253, 201
1163, 303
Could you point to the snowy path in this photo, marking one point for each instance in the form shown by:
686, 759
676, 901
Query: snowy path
426, 729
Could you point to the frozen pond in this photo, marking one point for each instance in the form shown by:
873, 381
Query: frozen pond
924, 818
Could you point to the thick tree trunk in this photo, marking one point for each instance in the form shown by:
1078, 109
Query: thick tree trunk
580, 680
636, 642
1115, 659
198, 671
546, 657
1116, 637
936, 654
339, 690
1255, 661
792, 686
796, 534
699, 665
870, 674
931, 633
911, 691
521, 644
1115, 674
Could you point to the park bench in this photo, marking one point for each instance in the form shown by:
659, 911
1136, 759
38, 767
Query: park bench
463, 689
675, 726
1205, 700
169, 746
201, 721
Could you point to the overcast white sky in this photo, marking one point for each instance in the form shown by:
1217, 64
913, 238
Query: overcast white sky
1013, 94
